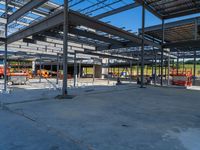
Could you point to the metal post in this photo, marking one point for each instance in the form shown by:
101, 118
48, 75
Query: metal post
177, 64
118, 72
184, 62
165, 69
65, 48
152, 69
162, 52
79, 75
195, 63
6, 47
155, 74
131, 69
40, 76
114, 70
51, 69
196, 29
57, 69
168, 77
93, 71
137, 73
146, 67
108, 72
159, 68
142, 50
75, 70
18, 64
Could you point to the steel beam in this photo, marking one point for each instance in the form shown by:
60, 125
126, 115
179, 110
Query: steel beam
142, 2
171, 24
182, 13
94, 36
8, 1
117, 10
183, 44
106, 55
26, 8
75, 19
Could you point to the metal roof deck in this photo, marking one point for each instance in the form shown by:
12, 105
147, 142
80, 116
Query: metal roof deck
175, 31
167, 9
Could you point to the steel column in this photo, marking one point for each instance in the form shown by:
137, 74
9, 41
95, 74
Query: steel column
155, 74
177, 63
165, 69
195, 63
108, 71
195, 53
118, 72
79, 75
51, 69
159, 68
142, 50
168, 73
184, 61
137, 68
18, 64
152, 69
75, 70
65, 48
162, 52
6, 47
57, 69
131, 69
40, 76
93, 76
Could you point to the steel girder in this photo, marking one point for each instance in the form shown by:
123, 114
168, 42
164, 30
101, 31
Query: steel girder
107, 55
26, 8
118, 10
75, 19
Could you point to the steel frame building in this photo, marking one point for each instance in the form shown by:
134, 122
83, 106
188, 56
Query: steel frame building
51, 29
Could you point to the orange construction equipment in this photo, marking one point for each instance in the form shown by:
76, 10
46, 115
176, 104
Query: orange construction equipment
44, 73
181, 77
2, 71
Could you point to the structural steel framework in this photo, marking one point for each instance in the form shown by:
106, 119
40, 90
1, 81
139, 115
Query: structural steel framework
51, 28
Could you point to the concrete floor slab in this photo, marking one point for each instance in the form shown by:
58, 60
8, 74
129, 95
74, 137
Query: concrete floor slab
119, 118
101, 117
